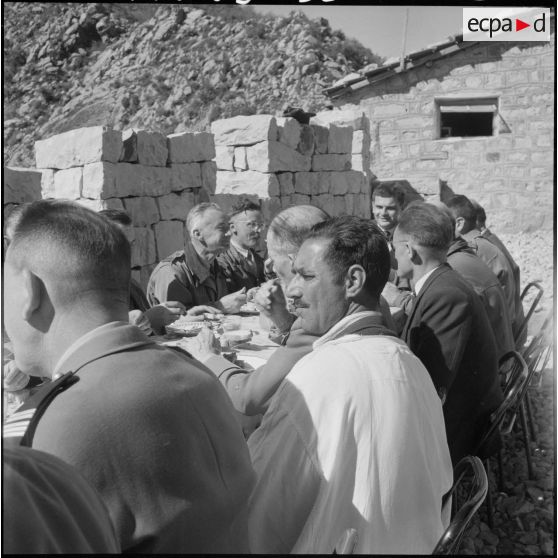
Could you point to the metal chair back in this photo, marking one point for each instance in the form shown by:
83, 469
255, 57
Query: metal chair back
540, 291
469, 467
538, 351
514, 371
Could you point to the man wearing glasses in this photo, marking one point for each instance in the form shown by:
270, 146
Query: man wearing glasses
240, 263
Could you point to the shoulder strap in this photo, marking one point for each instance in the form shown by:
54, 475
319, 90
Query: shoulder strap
19, 429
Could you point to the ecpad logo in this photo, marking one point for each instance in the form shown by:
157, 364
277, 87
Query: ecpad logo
506, 24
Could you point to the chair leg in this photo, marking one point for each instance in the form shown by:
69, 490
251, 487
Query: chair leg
532, 429
489, 511
525, 435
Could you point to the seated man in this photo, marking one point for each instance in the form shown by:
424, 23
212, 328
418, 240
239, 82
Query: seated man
448, 328
250, 391
462, 258
465, 217
354, 436
387, 204
240, 263
150, 428
192, 276
491, 237
50, 509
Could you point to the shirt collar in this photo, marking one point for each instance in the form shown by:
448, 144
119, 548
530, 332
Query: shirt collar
420, 283
242, 251
350, 321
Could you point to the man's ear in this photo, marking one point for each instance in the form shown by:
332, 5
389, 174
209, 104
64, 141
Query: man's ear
459, 224
414, 255
196, 234
232, 229
354, 280
33, 291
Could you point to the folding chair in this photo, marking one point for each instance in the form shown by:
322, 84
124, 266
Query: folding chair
347, 542
514, 371
524, 326
477, 489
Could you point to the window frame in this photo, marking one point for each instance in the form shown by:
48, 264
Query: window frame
468, 104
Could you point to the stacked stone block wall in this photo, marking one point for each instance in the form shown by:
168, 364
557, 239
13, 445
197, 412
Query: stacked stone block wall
280, 162
509, 173
157, 179
19, 186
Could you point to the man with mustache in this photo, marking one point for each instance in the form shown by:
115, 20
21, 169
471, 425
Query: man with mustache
354, 435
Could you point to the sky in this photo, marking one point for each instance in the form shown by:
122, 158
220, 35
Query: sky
380, 28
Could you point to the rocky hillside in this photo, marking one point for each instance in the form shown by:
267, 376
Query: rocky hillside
168, 68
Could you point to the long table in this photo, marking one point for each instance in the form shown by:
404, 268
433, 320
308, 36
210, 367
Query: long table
249, 355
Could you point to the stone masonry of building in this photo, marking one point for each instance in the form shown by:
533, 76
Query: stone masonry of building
505, 172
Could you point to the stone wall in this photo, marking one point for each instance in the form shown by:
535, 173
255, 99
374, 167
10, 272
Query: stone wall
19, 186
156, 179
275, 161
281, 163
505, 172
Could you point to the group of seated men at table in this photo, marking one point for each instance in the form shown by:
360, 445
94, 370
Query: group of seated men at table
363, 419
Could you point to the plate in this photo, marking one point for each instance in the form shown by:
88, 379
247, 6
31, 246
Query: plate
185, 328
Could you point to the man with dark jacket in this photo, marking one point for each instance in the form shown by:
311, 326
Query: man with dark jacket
242, 266
150, 428
447, 327
463, 259
465, 217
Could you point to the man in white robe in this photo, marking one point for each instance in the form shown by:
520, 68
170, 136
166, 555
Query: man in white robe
354, 436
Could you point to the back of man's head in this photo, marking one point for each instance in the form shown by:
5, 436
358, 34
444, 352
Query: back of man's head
481, 214
461, 207
389, 191
289, 228
428, 226
73, 250
355, 241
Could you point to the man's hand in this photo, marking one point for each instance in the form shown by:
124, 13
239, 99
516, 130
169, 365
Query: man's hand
164, 314
205, 346
14, 378
231, 303
202, 309
271, 302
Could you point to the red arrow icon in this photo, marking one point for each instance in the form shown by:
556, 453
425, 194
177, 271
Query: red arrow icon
519, 25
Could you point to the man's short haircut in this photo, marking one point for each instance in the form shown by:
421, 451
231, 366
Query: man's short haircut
242, 206
77, 249
481, 214
461, 206
355, 241
12, 221
427, 225
117, 216
389, 191
197, 212
290, 227
444, 208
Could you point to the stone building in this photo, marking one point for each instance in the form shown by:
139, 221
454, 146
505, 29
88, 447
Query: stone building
477, 117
